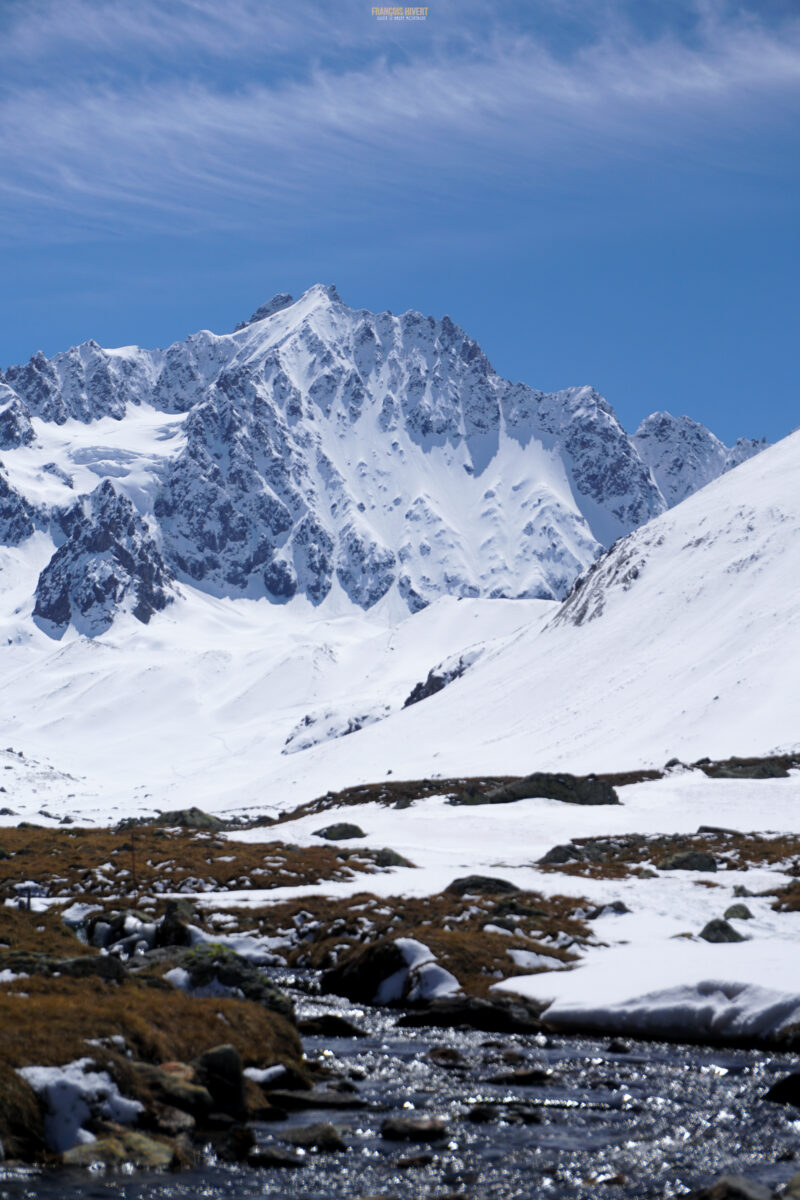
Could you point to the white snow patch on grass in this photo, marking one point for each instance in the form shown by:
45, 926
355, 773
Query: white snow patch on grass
74, 1093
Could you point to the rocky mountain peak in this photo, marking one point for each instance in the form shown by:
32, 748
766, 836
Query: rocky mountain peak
327, 453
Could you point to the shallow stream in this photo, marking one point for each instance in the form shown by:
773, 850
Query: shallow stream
608, 1119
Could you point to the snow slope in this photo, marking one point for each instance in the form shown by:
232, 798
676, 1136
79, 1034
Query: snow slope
682, 641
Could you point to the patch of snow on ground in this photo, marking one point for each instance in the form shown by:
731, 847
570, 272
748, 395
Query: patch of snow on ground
72, 1094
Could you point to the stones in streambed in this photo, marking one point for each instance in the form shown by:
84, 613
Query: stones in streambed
321, 1136
786, 1090
275, 1156
415, 1162
303, 1101
719, 930
175, 1085
480, 885
123, 1146
688, 860
522, 1077
329, 1025
487, 1014
541, 785
340, 831
446, 1056
733, 1187
511, 1111
414, 1129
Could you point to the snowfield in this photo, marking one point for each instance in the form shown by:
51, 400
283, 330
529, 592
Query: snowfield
681, 642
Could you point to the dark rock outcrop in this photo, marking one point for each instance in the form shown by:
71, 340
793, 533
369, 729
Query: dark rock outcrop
15, 421
17, 516
480, 885
495, 1014
341, 831
109, 561
688, 860
570, 789
720, 931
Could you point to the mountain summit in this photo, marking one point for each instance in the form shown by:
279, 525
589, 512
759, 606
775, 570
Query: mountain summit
326, 453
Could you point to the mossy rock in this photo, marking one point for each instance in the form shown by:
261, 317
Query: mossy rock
480, 885
127, 1146
340, 831
189, 818
688, 860
211, 961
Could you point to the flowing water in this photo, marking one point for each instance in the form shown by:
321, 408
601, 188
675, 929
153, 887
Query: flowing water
609, 1119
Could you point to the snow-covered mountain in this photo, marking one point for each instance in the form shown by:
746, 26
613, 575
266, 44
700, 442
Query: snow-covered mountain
322, 453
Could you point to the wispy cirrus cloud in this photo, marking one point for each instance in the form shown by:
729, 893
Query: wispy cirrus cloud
365, 116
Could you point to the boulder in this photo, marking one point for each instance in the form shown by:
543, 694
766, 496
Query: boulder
738, 912
389, 858
786, 1090
302, 1101
719, 930
733, 1187
275, 1156
341, 831
480, 885
688, 860
219, 1070
329, 1025
189, 818
174, 1084
522, 1077
321, 1136
173, 928
125, 1146
563, 853
488, 1014
360, 975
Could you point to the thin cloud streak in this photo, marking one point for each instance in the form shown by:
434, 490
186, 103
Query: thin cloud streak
161, 154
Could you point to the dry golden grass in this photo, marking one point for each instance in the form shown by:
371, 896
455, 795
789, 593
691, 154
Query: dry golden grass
621, 857
20, 1115
96, 863
450, 925
41, 933
49, 1024
402, 792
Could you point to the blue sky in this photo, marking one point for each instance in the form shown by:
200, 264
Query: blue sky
598, 191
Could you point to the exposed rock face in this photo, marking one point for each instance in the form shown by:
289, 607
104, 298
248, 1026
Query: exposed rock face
570, 789
684, 456
322, 450
17, 516
15, 421
108, 562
